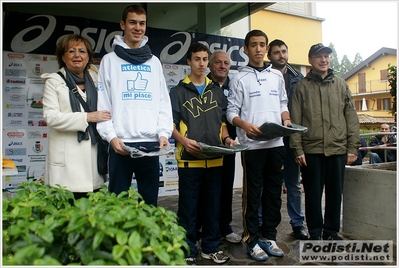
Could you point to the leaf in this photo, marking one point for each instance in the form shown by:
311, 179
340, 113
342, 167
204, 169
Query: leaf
72, 238
136, 256
14, 213
117, 251
49, 221
46, 261
130, 224
162, 255
121, 238
83, 249
45, 234
97, 263
73, 225
101, 254
134, 240
29, 253
98, 238
122, 262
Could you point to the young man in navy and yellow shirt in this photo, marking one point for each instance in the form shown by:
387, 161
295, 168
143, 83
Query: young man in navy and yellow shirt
198, 108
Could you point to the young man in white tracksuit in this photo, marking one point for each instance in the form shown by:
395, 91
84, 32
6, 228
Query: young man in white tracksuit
132, 86
257, 95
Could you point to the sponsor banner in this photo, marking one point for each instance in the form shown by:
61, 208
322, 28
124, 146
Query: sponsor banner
337, 251
39, 34
29, 42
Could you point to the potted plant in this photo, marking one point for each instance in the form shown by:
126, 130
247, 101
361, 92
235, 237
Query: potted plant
44, 225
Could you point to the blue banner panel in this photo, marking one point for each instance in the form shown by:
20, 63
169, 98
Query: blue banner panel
39, 34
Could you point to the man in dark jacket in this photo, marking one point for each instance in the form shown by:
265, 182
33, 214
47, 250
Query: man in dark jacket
323, 103
219, 66
378, 155
278, 56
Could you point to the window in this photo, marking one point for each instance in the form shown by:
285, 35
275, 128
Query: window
387, 104
384, 75
384, 104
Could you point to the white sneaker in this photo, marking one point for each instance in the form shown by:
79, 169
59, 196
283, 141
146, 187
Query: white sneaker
257, 253
233, 238
270, 247
190, 261
217, 257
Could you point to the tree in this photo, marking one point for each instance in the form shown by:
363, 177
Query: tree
392, 85
358, 59
334, 64
341, 68
346, 65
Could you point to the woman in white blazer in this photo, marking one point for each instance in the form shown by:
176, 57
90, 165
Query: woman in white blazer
73, 139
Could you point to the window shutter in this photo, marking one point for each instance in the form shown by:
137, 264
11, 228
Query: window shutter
361, 78
379, 104
384, 75
358, 105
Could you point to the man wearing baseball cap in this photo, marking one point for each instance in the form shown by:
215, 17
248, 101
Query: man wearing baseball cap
323, 103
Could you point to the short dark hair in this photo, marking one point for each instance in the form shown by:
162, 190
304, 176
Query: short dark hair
196, 47
133, 9
275, 43
254, 33
63, 45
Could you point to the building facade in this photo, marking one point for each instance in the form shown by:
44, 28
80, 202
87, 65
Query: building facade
369, 85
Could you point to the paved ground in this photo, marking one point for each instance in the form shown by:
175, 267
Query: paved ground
285, 238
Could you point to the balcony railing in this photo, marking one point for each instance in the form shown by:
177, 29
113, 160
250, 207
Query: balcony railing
370, 86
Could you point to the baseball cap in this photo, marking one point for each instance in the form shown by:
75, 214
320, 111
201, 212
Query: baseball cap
317, 48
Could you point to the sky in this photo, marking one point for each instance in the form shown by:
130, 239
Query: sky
363, 27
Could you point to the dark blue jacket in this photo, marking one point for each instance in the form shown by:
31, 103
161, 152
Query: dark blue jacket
294, 77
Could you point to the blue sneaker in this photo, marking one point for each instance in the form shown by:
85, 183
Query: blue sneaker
257, 253
270, 247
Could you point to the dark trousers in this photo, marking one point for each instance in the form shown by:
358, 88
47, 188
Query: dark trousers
263, 180
226, 196
146, 171
323, 172
200, 188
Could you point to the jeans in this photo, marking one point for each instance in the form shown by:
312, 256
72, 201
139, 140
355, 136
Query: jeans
292, 183
375, 158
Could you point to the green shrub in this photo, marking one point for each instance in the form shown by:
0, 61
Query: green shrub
41, 227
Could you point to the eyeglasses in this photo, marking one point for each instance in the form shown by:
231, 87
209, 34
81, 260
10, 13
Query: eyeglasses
73, 51
320, 57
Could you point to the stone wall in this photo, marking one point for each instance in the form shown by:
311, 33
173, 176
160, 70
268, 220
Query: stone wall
369, 202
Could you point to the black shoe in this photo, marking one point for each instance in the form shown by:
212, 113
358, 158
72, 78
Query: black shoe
300, 233
312, 237
332, 237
